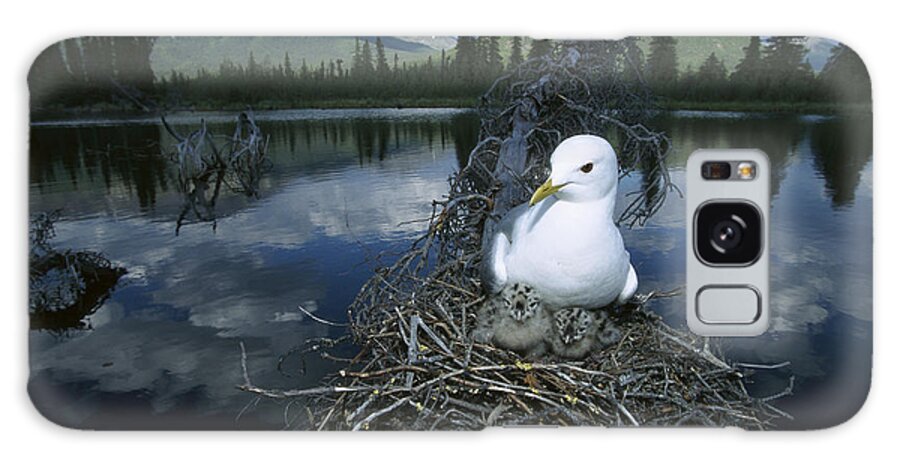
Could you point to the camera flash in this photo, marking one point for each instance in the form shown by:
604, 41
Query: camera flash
746, 170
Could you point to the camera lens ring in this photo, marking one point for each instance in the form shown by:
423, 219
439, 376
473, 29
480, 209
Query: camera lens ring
739, 244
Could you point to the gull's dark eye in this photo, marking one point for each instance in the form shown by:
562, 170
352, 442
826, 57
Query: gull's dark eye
587, 168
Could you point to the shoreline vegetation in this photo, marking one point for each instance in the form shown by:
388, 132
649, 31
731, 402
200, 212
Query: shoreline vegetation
90, 75
821, 108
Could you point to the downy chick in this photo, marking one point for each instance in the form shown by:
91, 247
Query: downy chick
573, 333
576, 332
516, 320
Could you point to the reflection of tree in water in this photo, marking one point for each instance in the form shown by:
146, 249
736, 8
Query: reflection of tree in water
842, 147
115, 164
464, 130
64, 287
372, 139
777, 136
121, 156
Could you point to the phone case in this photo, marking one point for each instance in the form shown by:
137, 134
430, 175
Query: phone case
432, 233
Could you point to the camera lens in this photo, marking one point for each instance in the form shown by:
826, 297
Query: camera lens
728, 233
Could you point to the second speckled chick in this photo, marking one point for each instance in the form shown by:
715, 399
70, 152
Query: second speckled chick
577, 331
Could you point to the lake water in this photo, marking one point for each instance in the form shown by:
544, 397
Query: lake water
348, 185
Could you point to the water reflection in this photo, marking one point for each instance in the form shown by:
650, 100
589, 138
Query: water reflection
342, 189
112, 161
329, 203
842, 149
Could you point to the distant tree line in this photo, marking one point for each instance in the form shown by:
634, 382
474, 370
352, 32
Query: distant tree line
94, 70
774, 69
464, 72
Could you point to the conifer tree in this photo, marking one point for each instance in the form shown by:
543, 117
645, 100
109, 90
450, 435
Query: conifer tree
381, 64
494, 58
515, 56
356, 62
748, 74
252, 66
366, 60
466, 58
712, 77
288, 69
844, 77
662, 64
482, 61
788, 76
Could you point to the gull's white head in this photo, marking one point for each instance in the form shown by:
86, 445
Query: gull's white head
582, 168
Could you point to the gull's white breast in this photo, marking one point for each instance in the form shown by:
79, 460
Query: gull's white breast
571, 253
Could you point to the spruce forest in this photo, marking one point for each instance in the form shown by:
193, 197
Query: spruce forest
115, 73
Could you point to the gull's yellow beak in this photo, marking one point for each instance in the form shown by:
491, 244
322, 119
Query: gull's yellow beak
545, 191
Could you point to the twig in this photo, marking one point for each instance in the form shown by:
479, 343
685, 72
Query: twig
365, 422
319, 319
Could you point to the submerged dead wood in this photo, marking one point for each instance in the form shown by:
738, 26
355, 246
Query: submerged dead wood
204, 165
64, 286
418, 367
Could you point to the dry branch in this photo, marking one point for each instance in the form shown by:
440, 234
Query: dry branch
204, 166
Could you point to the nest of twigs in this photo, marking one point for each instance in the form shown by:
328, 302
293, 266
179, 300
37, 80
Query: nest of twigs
418, 366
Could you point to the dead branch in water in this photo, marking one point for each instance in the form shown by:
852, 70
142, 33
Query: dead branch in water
204, 167
64, 286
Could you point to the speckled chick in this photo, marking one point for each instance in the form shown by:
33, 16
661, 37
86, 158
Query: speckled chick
573, 334
518, 321
576, 332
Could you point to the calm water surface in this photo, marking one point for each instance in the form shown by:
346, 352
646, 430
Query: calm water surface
163, 350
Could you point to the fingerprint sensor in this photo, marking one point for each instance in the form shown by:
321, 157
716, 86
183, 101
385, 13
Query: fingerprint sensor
726, 304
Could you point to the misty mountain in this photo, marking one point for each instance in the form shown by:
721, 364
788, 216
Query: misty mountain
189, 54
